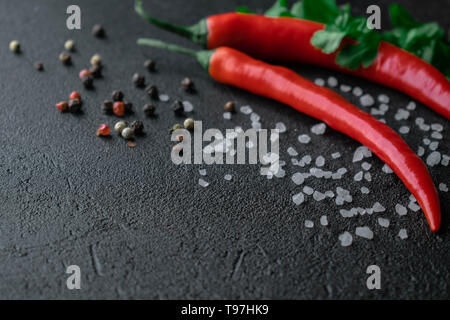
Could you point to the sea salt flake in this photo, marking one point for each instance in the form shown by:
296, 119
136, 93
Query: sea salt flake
203, 183
187, 106
425, 127
360, 153
357, 91
436, 135
367, 100
324, 220
298, 198
364, 232
298, 178
377, 207
309, 224
366, 166
365, 190
320, 161
307, 159
401, 210
443, 187
246, 110
332, 82
308, 190
227, 115
336, 155
319, 128
426, 141
433, 145
319, 82
403, 234
346, 239
345, 88
304, 138
342, 171
329, 194
281, 127
433, 158
358, 176
342, 192
318, 196
383, 222
292, 152
383, 98
437, 127
413, 206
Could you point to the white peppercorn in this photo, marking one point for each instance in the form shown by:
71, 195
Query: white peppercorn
119, 126
127, 133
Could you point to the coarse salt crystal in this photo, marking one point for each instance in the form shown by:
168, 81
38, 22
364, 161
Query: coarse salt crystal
202, 172
203, 183
386, 169
324, 220
345, 88
443, 187
346, 239
433, 158
298, 198
304, 138
227, 115
164, 97
403, 234
228, 177
367, 100
187, 106
364, 232
292, 152
320, 161
383, 222
319, 128
383, 98
308, 190
246, 109
357, 91
336, 155
298, 178
358, 176
365, 190
319, 82
332, 82
281, 127
309, 224
401, 210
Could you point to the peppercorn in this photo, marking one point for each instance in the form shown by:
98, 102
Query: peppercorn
39, 66
75, 95
138, 80
96, 71
14, 46
65, 58
138, 127
69, 45
107, 106
150, 65
84, 73
149, 110
230, 106
103, 130
188, 85
127, 133
117, 95
128, 107
62, 106
75, 106
189, 123
178, 108
175, 127
119, 108
119, 126
98, 31
88, 82
96, 59
152, 91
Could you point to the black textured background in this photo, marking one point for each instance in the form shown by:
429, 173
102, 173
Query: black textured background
141, 227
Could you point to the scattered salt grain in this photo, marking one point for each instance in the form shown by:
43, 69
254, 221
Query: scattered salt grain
319, 82
308, 190
358, 176
227, 115
436, 135
368, 176
319, 129
365, 190
341, 171
383, 222
426, 141
364, 232
298, 198
306, 159
203, 183
404, 129
445, 160
420, 151
413, 206
411, 106
360, 153
281, 127
292, 152
346, 239
367, 100
304, 138
187, 106
412, 198
329, 194
443, 187
254, 117
403, 234
318, 196
425, 127
437, 127
336, 155
324, 220
332, 82
383, 98
246, 109
433, 158
202, 172
357, 91
309, 224
377, 207
386, 169
320, 161
345, 88
164, 97
401, 114
298, 178
401, 210
433, 146
366, 166
228, 177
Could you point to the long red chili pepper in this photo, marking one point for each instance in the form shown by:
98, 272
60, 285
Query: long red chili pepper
288, 39
232, 67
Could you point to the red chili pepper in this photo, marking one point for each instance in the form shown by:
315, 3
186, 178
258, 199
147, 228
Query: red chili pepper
235, 68
288, 39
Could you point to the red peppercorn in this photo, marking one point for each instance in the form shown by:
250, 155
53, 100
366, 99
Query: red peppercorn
84, 73
62, 106
75, 95
119, 108
103, 130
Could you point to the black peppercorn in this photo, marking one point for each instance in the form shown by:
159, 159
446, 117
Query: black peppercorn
39, 66
188, 85
230, 106
65, 58
107, 106
152, 91
88, 82
178, 108
98, 31
96, 70
149, 110
150, 65
138, 127
128, 107
138, 80
75, 106
117, 95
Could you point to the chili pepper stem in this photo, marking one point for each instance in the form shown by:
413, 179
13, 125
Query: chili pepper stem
197, 32
202, 56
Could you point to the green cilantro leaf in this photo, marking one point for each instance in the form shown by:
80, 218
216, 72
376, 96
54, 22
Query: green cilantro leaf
279, 9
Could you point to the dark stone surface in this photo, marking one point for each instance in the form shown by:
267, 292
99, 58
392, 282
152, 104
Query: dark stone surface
141, 227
